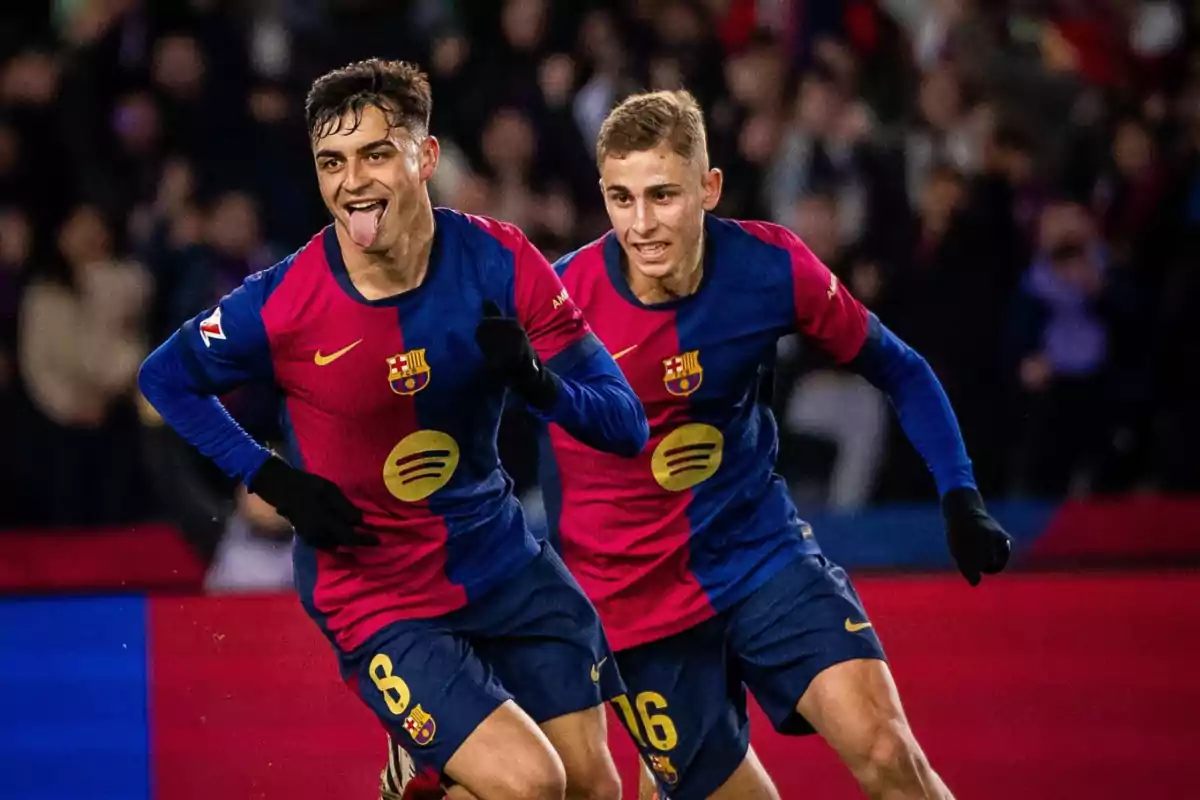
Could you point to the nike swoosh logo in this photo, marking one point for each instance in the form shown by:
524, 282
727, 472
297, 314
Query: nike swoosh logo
624, 352
855, 627
596, 669
322, 361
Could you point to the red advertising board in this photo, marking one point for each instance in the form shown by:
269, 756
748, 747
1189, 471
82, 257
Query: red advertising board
1031, 686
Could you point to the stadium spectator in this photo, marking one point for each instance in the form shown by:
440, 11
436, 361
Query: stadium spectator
931, 134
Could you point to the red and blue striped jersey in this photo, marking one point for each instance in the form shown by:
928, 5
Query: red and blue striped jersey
390, 400
700, 519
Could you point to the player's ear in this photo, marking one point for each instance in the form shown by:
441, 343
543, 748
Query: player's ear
431, 153
713, 181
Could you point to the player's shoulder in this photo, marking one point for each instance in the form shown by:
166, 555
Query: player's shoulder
266, 281
768, 243
584, 262
261, 285
766, 255
751, 233
480, 232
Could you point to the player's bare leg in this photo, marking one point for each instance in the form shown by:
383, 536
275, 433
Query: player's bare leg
856, 708
749, 781
647, 788
507, 758
401, 781
581, 740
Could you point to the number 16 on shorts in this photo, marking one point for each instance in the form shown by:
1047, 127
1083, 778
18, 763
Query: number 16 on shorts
652, 729
648, 726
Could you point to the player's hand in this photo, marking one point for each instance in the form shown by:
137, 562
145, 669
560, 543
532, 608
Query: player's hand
320, 513
977, 542
508, 353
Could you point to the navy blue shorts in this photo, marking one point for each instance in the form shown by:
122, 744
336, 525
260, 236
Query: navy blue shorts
536, 639
686, 704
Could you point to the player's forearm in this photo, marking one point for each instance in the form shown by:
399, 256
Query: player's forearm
920, 402
596, 406
196, 414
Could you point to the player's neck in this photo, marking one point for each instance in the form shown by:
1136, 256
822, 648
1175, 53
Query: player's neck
682, 281
402, 268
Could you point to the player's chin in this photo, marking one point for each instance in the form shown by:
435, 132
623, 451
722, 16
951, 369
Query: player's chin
653, 267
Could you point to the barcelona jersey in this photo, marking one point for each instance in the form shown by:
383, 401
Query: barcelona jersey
390, 400
699, 520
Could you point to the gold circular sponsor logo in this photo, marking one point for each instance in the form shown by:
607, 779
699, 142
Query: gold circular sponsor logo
420, 464
688, 455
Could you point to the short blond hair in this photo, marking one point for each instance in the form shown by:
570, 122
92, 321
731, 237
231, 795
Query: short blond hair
646, 120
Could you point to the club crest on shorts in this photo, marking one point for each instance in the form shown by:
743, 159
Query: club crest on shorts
420, 725
408, 373
682, 374
665, 770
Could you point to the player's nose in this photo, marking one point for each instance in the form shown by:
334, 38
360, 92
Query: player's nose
357, 177
644, 219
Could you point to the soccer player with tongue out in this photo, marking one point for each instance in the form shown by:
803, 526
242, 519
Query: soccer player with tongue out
364, 221
392, 338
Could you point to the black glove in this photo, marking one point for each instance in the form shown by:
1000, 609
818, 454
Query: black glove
977, 542
508, 353
316, 507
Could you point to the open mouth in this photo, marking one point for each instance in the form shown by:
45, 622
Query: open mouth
365, 216
651, 250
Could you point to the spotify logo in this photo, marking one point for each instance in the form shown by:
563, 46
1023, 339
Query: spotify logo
420, 464
688, 455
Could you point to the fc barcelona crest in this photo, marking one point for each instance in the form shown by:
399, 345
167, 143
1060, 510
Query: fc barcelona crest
665, 769
420, 725
683, 373
407, 372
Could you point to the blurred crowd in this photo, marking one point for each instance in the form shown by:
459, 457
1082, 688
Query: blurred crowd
1013, 186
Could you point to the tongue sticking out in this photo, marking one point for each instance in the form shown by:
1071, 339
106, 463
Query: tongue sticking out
364, 225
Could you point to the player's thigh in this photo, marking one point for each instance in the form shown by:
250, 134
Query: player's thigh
426, 686
806, 619
856, 708
581, 741
685, 710
647, 784
543, 638
749, 781
508, 757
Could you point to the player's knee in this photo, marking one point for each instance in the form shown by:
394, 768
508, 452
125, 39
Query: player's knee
533, 779
889, 757
547, 783
599, 782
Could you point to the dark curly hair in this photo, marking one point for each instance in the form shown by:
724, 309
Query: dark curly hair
397, 88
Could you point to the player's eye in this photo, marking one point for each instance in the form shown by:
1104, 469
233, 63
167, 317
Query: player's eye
620, 199
662, 195
376, 157
330, 164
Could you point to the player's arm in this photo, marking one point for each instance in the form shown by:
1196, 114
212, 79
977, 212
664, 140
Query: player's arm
596, 405
211, 354
557, 364
828, 315
219, 350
